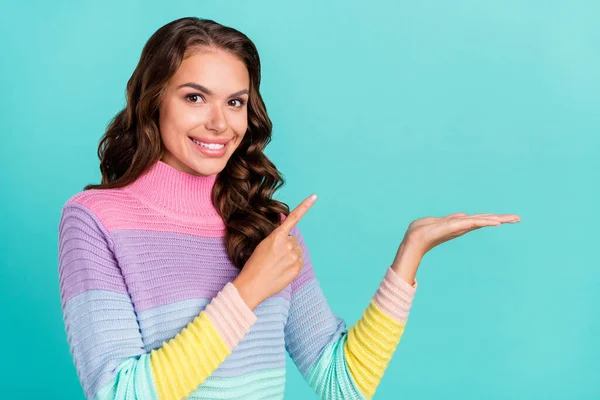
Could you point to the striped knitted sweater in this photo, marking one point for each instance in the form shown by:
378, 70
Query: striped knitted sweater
150, 311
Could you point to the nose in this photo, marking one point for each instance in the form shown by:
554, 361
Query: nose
216, 120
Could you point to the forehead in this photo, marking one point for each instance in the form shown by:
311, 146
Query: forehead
219, 71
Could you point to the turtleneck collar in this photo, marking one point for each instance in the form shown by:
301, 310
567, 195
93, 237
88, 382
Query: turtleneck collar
175, 191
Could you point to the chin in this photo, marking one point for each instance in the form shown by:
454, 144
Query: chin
207, 167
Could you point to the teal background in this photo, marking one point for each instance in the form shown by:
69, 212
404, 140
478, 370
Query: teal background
389, 111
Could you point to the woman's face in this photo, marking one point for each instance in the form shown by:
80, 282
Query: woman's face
207, 100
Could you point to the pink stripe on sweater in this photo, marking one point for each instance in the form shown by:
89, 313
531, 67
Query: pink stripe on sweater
117, 209
231, 315
394, 296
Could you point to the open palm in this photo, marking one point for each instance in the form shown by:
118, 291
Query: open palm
428, 232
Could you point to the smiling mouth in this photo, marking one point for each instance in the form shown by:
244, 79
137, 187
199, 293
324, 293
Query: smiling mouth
210, 150
210, 146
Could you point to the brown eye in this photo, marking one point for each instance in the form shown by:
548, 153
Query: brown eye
193, 97
240, 104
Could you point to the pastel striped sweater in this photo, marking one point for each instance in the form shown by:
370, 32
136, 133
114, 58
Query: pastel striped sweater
150, 311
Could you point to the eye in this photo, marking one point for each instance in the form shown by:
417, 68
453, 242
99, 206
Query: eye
192, 97
240, 102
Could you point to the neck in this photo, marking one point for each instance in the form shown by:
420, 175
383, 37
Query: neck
170, 189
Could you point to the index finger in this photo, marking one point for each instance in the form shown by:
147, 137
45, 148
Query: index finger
296, 214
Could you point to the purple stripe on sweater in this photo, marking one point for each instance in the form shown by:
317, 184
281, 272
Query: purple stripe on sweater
166, 267
85, 259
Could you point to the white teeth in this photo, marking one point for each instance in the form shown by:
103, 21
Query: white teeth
212, 146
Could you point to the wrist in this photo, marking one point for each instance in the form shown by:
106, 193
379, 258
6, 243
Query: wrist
246, 293
407, 262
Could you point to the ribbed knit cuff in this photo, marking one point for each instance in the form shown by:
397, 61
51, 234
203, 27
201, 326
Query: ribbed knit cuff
394, 296
231, 315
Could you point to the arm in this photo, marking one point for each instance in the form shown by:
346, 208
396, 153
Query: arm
337, 362
103, 332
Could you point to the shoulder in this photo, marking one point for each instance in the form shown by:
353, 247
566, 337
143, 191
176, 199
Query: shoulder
97, 199
95, 205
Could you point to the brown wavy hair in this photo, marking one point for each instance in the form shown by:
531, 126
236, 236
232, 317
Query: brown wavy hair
131, 144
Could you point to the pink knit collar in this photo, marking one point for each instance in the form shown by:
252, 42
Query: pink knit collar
175, 191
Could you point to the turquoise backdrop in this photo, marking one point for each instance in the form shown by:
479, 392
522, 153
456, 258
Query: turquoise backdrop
389, 111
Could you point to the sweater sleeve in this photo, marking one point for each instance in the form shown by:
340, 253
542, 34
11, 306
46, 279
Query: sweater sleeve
104, 334
337, 362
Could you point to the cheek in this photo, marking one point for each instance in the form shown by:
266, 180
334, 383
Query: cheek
177, 118
239, 124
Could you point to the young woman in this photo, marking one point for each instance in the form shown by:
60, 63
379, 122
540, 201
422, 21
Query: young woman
181, 277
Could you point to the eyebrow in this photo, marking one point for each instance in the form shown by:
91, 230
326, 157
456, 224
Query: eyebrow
208, 91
